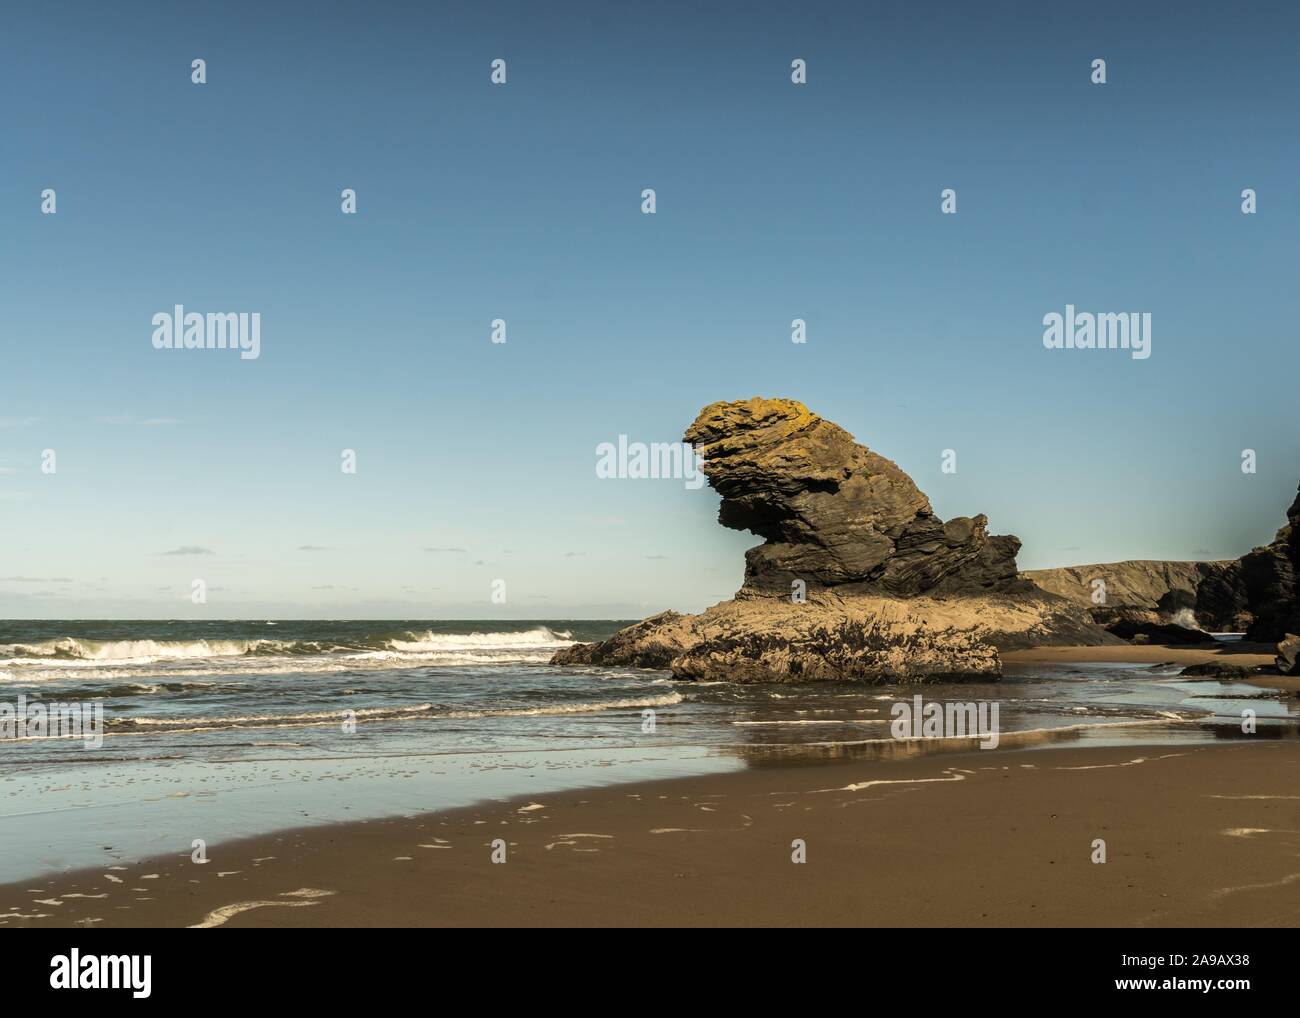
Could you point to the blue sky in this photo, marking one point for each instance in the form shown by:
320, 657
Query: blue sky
522, 202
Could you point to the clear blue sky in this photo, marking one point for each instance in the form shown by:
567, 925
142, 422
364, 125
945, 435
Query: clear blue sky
522, 202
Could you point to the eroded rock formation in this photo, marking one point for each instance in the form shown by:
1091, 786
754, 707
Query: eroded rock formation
834, 513
856, 579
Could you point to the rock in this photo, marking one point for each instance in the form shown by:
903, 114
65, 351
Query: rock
1140, 625
891, 592
1259, 589
1222, 602
651, 643
761, 638
833, 512
1256, 594
1218, 670
1288, 655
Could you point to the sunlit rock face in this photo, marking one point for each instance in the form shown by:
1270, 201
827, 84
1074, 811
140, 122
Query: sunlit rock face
834, 513
857, 578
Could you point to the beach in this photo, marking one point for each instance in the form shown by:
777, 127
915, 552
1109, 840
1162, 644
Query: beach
1194, 836
1200, 825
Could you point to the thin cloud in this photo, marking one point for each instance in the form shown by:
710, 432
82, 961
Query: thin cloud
17, 422
458, 551
35, 579
188, 549
158, 422
312, 547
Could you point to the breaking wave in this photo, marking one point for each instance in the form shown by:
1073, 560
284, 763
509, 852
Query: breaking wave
416, 648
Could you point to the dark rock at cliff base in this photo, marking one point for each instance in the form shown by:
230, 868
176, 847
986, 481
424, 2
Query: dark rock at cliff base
857, 578
833, 513
1259, 589
1288, 655
1138, 625
1257, 594
1218, 670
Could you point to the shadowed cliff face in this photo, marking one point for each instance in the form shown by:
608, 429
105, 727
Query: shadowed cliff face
1261, 586
832, 512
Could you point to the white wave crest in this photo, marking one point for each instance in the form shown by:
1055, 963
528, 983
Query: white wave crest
66, 657
444, 642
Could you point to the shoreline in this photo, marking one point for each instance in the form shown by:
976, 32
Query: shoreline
924, 835
1206, 837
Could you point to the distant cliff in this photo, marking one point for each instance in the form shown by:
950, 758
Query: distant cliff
1140, 583
1255, 594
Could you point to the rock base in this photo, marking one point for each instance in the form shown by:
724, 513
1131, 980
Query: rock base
833, 637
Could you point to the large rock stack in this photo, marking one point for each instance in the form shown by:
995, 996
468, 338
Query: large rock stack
833, 512
856, 579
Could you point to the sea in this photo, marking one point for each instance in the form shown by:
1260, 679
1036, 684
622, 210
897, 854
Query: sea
216, 730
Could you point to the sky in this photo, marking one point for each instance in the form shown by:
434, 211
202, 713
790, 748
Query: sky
475, 461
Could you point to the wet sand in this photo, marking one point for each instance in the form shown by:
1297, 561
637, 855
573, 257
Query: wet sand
1203, 835
1195, 834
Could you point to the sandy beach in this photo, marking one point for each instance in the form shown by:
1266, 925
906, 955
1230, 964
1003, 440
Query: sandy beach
1196, 834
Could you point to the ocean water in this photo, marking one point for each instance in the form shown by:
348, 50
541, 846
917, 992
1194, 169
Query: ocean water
215, 730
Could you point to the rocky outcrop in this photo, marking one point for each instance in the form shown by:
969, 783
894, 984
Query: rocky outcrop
1261, 586
832, 512
761, 638
857, 578
1140, 625
757, 639
1288, 655
1218, 670
1141, 600
1255, 594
